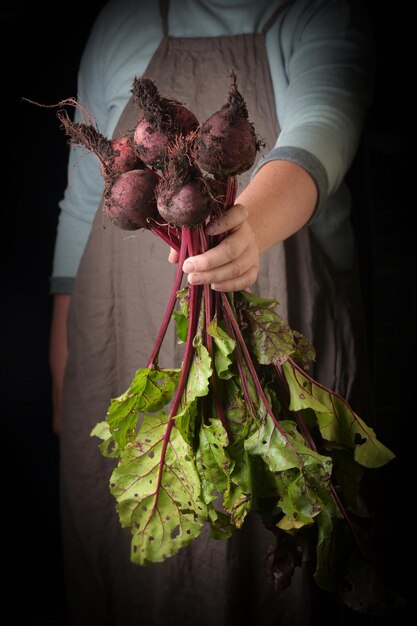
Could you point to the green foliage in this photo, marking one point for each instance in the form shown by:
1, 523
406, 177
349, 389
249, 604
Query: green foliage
251, 430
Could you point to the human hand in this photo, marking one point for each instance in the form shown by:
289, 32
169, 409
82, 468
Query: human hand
233, 264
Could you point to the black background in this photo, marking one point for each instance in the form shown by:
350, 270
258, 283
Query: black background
40, 56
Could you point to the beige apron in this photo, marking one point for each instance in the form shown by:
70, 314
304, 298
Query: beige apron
117, 305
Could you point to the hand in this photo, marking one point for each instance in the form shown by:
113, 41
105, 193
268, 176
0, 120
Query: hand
277, 202
233, 264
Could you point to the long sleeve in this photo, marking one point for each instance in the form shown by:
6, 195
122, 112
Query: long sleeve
85, 183
320, 64
117, 50
321, 69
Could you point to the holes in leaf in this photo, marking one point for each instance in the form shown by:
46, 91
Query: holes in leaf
135, 548
358, 440
188, 532
264, 443
112, 484
215, 445
151, 454
175, 532
151, 538
187, 458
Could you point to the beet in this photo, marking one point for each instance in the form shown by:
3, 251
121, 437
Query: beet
116, 155
226, 144
130, 202
184, 196
162, 121
123, 158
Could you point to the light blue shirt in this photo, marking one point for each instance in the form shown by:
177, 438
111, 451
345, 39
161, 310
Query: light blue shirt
320, 69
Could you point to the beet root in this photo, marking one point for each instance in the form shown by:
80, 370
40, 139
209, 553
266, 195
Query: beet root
184, 196
116, 156
226, 144
189, 206
151, 143
123, 158
130, 202
163, 120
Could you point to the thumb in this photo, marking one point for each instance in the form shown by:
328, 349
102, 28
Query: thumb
173, 256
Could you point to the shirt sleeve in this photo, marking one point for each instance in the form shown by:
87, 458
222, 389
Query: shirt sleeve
326, 55
85, 183
123, 38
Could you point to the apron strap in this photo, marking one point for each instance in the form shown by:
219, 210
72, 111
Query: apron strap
272, 18
163, 10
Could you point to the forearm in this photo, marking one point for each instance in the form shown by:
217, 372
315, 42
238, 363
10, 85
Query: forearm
58, 352
280, 200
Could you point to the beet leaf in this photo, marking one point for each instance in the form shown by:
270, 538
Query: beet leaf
158, 491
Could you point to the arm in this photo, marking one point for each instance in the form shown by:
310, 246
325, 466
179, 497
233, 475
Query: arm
78, 206
321, 71
279, 200
58, 352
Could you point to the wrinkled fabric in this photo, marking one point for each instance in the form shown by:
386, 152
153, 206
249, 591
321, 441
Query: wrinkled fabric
118, 302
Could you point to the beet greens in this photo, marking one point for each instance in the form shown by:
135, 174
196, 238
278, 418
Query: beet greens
248, 428
241, 426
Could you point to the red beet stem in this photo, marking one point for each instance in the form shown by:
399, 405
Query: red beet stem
208, 311
195, 299
153, 359
229, 312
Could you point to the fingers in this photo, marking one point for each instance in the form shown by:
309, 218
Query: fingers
230, 219
227, 251
173, 256
230, 266
237, 284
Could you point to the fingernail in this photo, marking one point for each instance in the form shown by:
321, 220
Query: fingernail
194, 279
211, 228
188, 265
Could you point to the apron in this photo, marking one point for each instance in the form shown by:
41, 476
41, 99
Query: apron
117, 305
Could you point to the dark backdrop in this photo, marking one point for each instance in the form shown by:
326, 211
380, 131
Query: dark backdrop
49, 47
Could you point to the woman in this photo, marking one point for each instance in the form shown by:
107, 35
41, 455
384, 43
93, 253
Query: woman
303, 68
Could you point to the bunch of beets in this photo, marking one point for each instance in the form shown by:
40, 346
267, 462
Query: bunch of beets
240, 426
